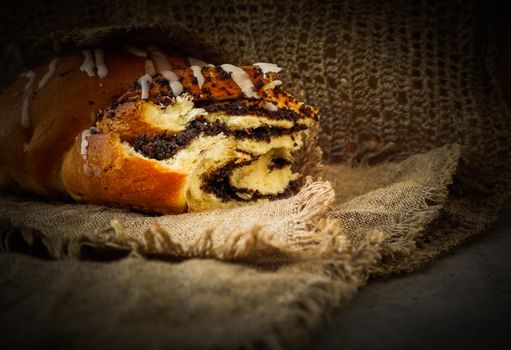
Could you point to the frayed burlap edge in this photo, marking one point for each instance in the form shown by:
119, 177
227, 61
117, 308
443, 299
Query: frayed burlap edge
403, 243
258, 241
255, 244
349, 266
314, 304
460, 219
335, 270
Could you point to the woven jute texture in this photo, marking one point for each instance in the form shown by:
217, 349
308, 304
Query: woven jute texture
415, 138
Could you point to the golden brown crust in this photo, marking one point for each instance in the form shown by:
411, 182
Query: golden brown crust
127, 121
48, 157
217, 85
105, 175
58, 112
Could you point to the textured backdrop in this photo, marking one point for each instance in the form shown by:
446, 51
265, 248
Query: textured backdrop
391, 79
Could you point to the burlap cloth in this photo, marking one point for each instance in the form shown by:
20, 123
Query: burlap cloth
415, 136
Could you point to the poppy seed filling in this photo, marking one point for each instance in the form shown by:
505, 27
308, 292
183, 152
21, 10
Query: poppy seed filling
165, 146
219, 184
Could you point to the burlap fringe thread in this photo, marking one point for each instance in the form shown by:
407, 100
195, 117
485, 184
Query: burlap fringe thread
318, 225
324, 248
253, 245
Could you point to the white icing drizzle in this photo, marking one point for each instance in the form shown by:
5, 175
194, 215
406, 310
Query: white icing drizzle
170, 75
270, 107
196, 62
136, 51
25, 107
163, 66
51, 70
268, 67
175, 85
159, 59
83, 145
145, 83
97, 62
241, 79
100, 63
88, 63
197, 73
149, 67
87, 169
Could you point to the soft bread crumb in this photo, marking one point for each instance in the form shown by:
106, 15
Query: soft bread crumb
259, 175
206, 154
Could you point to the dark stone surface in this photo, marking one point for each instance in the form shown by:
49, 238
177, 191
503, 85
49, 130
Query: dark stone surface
460, 301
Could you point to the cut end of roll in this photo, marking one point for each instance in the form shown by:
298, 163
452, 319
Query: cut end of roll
209, 147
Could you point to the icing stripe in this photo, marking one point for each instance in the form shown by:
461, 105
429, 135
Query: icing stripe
87, 168
241, 79
159, 59
196, 62
51, 70
149, 67
100, 63
145, 83
88, 63
175, 85
197, 73
25, 107
136, 51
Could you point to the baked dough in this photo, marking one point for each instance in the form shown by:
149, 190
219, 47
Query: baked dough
150, 130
